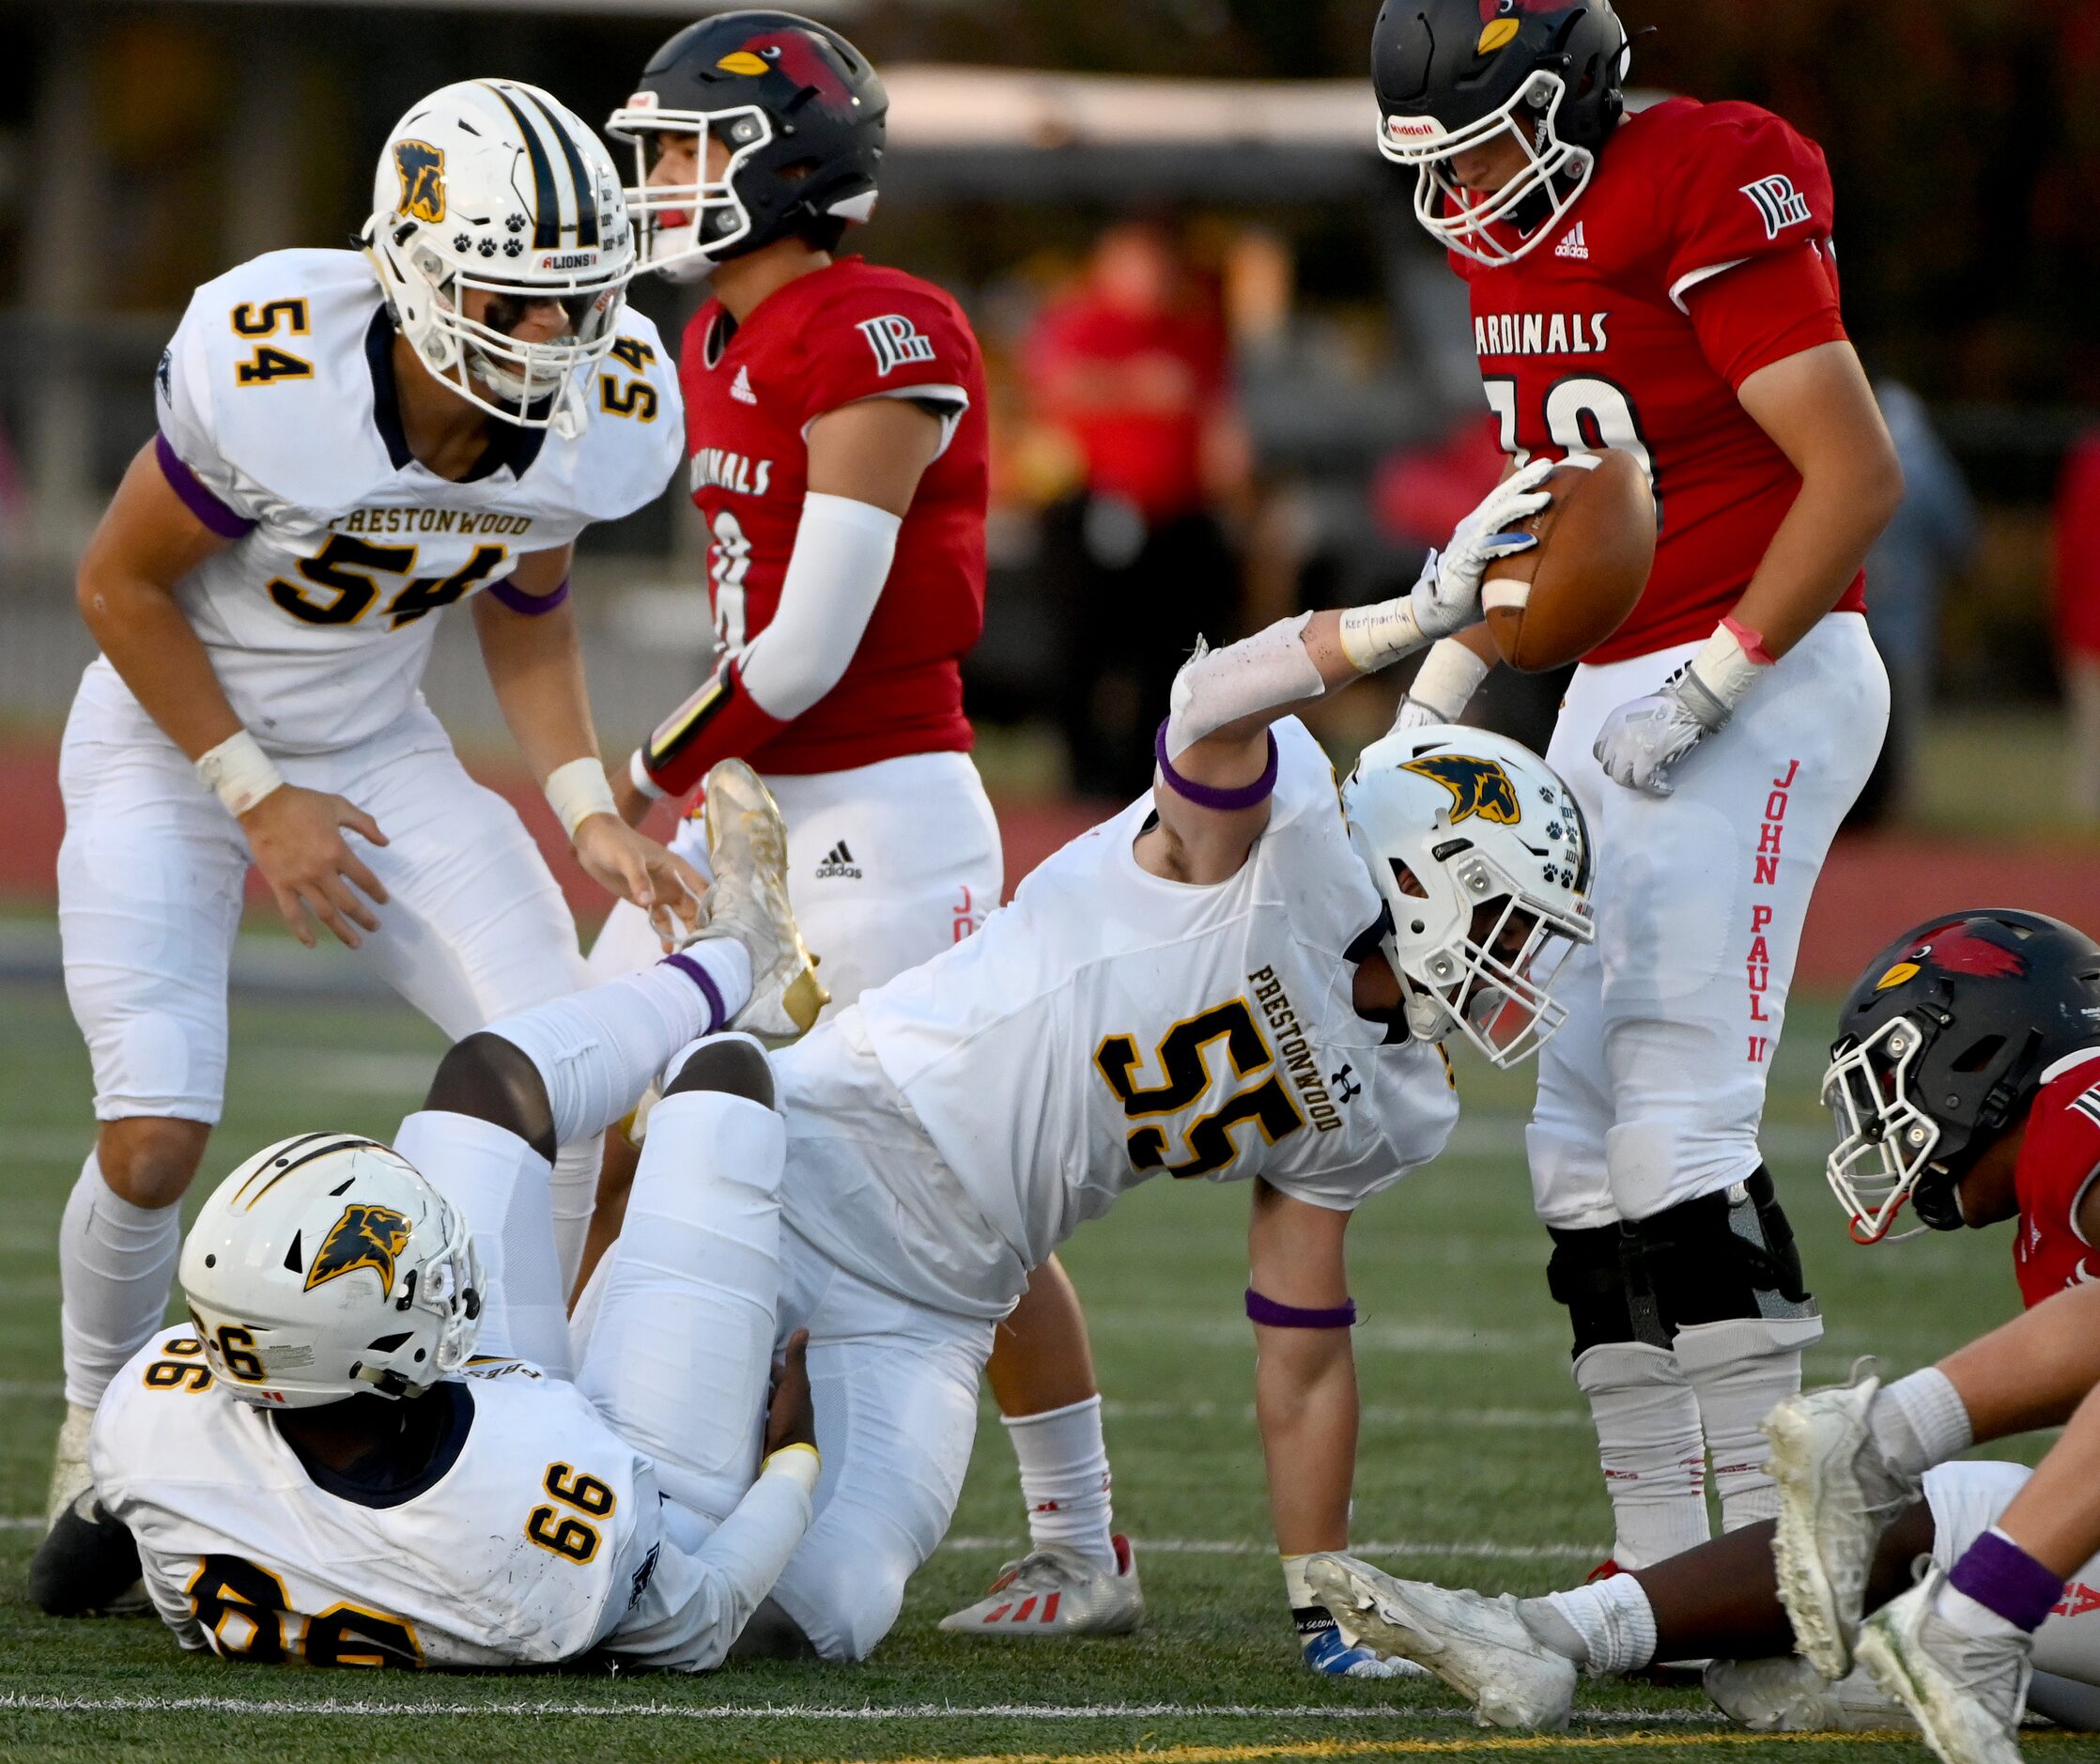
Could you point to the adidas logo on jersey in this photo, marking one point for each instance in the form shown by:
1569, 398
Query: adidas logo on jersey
838, 862
1574, 245
740, 388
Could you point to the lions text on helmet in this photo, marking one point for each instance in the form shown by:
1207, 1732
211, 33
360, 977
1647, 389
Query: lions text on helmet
747, 128
501, 238
1500, 106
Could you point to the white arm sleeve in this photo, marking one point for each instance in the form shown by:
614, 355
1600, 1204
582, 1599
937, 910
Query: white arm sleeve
842, 551
701, 1595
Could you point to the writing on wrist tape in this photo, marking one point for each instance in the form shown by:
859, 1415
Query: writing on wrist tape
238, 772
577, 791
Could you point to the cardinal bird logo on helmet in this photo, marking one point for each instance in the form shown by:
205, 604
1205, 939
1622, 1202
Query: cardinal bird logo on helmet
1955, 948
1492, 9
364, 1237
796, 56
1477, 786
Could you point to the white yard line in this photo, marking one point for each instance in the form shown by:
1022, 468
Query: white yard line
1371, 1415
1378, 1546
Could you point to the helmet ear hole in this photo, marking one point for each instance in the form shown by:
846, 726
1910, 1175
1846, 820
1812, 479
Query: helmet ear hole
1979, 1056
1410, 883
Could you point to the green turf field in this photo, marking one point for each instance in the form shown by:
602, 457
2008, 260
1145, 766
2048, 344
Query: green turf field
1476, 1466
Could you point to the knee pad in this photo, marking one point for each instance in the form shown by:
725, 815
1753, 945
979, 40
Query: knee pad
735, 1065
1591, 1274
488, 1079
842, 1609
1724, 1256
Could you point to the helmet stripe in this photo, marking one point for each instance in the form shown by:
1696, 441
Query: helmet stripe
336, 1142
579, 180
546, 205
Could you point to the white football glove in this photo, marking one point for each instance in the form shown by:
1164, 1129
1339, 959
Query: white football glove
1446, 596
1642, 740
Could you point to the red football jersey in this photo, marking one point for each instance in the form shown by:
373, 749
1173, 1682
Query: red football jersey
1700, 252
835, 336
2058, 1159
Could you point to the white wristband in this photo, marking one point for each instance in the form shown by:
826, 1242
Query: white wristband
239, 772
1449, 676
799, 1463
577, 791
1378, 635
1723, 671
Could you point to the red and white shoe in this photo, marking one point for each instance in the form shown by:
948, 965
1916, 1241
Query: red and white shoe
1055, 1592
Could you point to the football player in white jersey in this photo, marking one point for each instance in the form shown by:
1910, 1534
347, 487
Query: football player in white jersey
348, 443
315, 1468
1244, 976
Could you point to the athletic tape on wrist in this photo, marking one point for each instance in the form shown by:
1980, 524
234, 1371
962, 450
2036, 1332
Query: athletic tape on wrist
1448, 678
238, 772
1206, 796
1272, 1315
579, 790
798, 1462
1375, 637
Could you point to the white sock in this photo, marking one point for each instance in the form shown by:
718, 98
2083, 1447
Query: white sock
1651, 1447
1615, 1620
1064, 1478
573, 1197
1971, 1616
597, 1051
501, 1183
1920, 1421
116, 1266
1741, 1370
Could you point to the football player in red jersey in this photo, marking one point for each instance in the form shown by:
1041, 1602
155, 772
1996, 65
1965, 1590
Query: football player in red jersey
836, 425
1965, 1085
1663, 283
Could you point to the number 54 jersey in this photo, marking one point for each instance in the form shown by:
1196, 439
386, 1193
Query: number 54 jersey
1107, 1027
280, 428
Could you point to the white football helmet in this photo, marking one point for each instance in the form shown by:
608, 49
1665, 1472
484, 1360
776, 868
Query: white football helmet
1482, 856
495, 186
326, 1266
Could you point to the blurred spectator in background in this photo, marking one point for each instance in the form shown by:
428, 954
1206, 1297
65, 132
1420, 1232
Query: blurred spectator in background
1932, 538
2078, 614
1132, 367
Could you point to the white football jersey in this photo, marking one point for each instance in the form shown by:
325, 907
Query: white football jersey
277, 408
538, 1531
1110, 1026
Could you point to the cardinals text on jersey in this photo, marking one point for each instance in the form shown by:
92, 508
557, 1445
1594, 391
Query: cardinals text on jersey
279, 427
1700, 252
852, 332
1108, 1027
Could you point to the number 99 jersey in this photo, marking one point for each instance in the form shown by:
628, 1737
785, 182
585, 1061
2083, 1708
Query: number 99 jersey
280, 428
526, 1541
1700, 252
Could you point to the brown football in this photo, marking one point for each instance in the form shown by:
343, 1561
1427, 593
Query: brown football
1556, 602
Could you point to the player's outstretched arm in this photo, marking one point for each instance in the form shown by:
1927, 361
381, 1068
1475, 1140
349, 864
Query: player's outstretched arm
866, 460
148, 539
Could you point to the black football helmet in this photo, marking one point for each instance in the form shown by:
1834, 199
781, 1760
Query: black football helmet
1453, 75
801, 113
1941, 1046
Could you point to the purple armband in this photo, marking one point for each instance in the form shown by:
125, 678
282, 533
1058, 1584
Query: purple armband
700, 977
207, 508
1205, 796
2003, 1577
532, 606
1272, 1315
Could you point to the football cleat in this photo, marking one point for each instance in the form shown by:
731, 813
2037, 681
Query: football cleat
747, 847
87, 1565
1967, 1692
69, 1462
1837, 1495
1054, 1592
1786, 1694
1479, 1646
1331, 1651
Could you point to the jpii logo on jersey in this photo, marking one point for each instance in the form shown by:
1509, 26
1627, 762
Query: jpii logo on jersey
1779, 203
896, 342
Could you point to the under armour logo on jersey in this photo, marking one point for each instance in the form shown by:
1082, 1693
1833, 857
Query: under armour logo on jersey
1778, 203
364, 1237
1345, 1086
1575, 245
837, 861
895, 340
740, 388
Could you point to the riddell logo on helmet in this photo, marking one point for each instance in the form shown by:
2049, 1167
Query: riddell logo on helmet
1412, 128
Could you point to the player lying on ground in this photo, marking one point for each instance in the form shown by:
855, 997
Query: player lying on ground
319, 1469
835, 420
348, 443
1964, 1085
1665, 283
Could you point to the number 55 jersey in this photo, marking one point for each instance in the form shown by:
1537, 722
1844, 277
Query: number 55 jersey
281, 429
1700, 252
1107, 1027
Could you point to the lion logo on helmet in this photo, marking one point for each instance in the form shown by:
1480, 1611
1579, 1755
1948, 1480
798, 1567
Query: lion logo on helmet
1477, 786
364, 1237
421, 168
